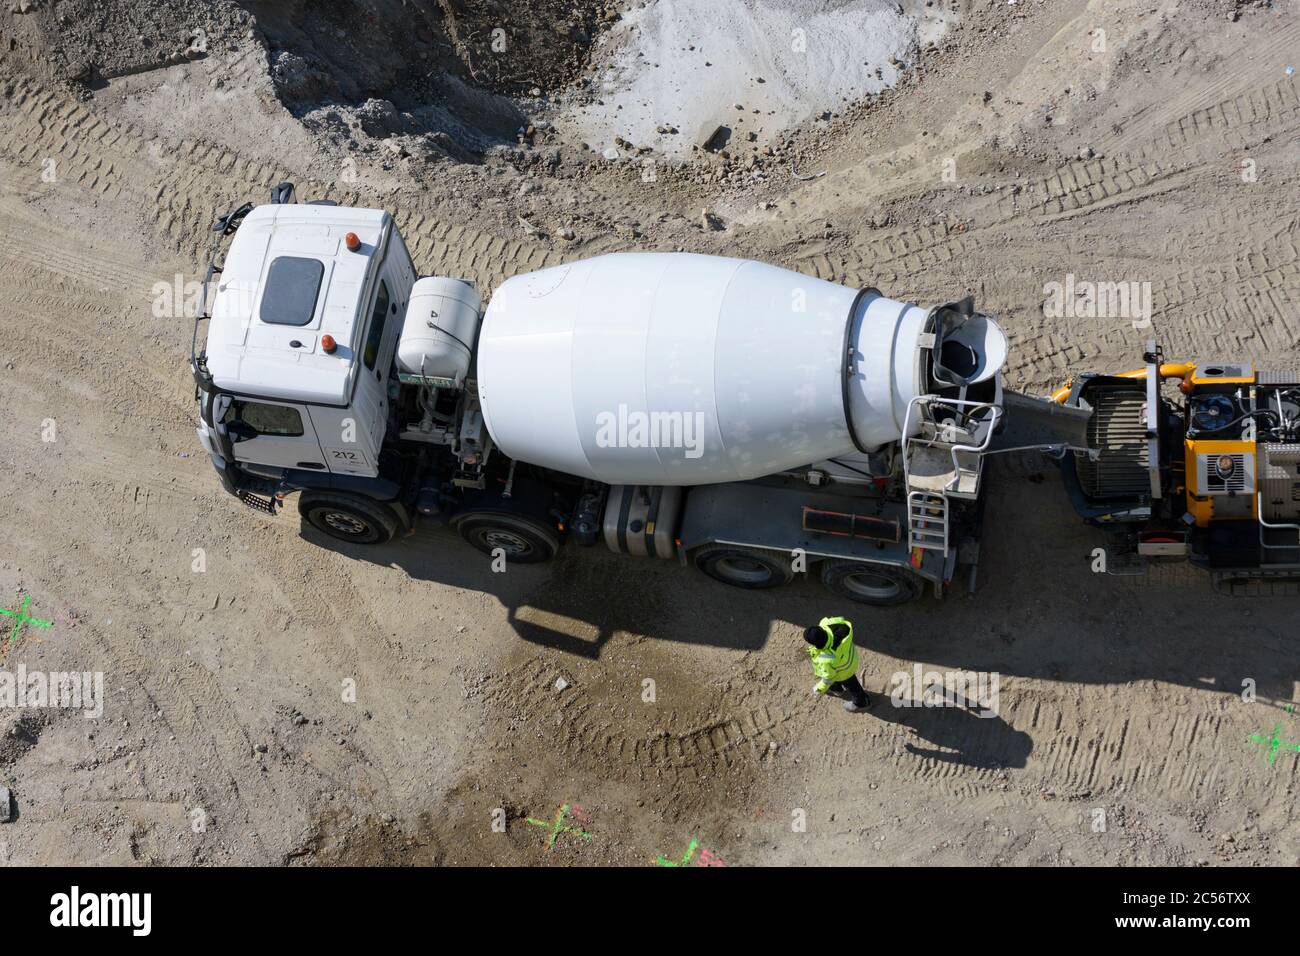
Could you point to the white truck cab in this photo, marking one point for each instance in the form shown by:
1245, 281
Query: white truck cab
302, 335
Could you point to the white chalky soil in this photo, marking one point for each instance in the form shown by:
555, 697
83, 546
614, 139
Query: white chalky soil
688, 64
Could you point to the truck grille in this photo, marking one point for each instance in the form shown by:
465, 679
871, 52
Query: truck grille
1118, 429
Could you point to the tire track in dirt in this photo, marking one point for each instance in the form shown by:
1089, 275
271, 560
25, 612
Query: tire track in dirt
217, 747
220, 176
186, 184
44, 282
1251, 298
195, 709
586, 734
1184, 753
1077, 188
90, 362
1199, 107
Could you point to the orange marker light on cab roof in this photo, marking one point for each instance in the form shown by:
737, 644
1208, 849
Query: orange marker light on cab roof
353, 243
328, 344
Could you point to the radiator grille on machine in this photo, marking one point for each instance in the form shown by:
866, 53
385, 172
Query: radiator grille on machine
1217, 484
1118, 429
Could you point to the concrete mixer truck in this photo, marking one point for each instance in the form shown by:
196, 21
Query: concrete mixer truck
746, 419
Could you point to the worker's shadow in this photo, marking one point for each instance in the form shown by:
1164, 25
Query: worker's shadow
958, 732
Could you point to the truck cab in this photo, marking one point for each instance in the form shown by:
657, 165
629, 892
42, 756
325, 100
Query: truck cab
304, 325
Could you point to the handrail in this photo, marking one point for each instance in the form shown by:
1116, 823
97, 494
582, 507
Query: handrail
976, 449
202, 313
1281, 526
223, 227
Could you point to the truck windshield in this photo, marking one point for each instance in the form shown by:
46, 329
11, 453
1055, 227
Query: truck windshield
265, 419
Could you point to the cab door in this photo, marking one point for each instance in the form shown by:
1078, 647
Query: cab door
276, 434
383, 328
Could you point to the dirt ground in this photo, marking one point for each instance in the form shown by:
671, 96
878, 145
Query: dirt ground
273, 697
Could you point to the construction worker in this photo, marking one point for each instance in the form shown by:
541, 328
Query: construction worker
835, 661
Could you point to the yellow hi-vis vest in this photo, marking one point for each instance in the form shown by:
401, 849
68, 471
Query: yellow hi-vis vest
834, 664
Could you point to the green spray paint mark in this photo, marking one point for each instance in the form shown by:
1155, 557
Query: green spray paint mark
557, 827
686, 857
1275, 743
21, 618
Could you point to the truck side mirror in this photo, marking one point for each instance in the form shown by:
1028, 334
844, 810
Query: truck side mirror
240, 431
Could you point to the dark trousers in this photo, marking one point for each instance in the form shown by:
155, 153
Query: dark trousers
853, 688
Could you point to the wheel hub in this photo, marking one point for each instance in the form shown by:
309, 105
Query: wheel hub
346, 523
507, 541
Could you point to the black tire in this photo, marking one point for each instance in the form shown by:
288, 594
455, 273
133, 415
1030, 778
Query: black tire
878, 584
748, 568
349, 518
524, 540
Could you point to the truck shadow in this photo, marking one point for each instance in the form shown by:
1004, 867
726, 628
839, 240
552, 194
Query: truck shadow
1039, 611
578, 602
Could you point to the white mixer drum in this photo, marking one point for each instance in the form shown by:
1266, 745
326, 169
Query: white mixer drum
681, 369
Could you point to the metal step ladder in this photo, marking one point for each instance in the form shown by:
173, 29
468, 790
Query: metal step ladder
927, 521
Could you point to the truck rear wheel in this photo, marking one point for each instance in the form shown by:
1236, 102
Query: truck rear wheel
748, 568
520, 538
878, 584
348, 518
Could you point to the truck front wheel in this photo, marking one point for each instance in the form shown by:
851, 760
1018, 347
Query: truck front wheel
519, 538
748, 568
878, 584
347, 517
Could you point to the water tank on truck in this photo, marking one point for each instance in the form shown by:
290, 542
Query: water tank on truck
438, 332
682, 369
